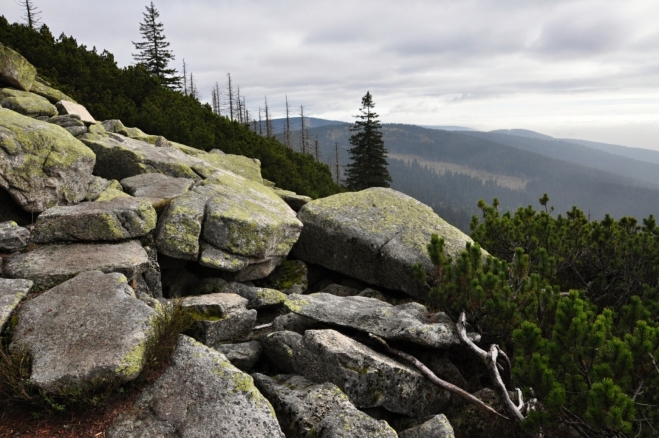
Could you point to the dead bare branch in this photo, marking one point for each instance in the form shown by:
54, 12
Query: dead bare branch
436, 380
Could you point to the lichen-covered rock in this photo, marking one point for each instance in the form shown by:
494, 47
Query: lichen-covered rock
249, 168
138, 134
280, 349
156, 186
200, 395
70, 122
340, 290
119, 219
88, 329
294, 323
368, 378
29, 104
240, 222
41, 164
115, 126
119, 157
244, 355
437, 427
376, 236
48, 266
258, 297
407, 322
15, 70
12, 293
220, 318
291, 277
67, 107
13, 237
309, 410
295, 201
49, 93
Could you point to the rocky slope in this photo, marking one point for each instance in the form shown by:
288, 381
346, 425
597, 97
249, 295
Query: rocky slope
122, 222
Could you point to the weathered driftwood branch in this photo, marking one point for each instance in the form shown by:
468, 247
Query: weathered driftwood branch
490, 359
436, 380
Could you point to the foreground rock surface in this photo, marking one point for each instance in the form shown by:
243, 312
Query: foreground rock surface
368, 378
13, 237
11, 294
200, 395
87, 329
48, 266
41, 164
119, 219
437, 427
221, 317
375, 235
244, 355
309, 410
407, 322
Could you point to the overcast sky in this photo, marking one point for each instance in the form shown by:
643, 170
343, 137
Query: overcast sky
576, 68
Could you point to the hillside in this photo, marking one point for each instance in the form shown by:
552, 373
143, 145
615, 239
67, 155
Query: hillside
518, 177
135, 97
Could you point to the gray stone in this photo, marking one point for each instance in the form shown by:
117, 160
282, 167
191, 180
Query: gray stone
407, 322
156, 186
12, 293
370, 379
48, 266
244, 355
15, 70
291, 277
118, 219
58, 165
340, 290
376, 236
200, 395
294, 323
66, 120
258, 268
258, 297
13, 237
31, 105
220, 318
88, 329
295, 201
115, 126
49, 93
96, 186
66, 107
217, 259
437, 427
249, 168
179, 227
280, 348
372, 293
309, 410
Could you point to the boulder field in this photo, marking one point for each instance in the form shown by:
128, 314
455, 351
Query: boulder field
287, 288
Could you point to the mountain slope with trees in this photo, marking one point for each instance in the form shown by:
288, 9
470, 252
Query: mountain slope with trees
139, 99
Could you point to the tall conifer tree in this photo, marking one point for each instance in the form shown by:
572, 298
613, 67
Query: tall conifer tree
153, 52
368, 155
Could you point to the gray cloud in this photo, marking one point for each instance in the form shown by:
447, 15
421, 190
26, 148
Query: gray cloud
553, 65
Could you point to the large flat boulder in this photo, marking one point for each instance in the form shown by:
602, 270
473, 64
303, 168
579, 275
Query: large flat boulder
246, 167
41, 164
119, 219
408, 322
200, 395
48, 266
376, 236
12, 292
72, 108
156, 186
88, 329
15, 70
310, 410
369, 379
48, 92
29, 104
13, 237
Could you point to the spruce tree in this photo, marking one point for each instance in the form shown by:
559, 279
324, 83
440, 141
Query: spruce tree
369, 157
153, 52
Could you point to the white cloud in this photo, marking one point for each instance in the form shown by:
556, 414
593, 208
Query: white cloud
589, 68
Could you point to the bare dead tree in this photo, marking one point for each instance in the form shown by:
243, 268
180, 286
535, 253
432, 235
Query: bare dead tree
436, 380
185, 78
31, 15
317, 151
194, 91
217, 99
287, 127
230, 95
260, 124
269, 131
303, 132
239, 105
336, 152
